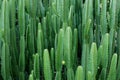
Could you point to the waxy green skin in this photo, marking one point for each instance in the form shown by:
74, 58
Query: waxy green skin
59, 40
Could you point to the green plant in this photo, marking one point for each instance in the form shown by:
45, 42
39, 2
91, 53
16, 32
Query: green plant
59, 40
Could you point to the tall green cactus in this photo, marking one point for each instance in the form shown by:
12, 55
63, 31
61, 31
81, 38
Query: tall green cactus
112, 71
87, 21
71, 16
5, 23
97, 20
5, 55
36, 67
59, 51
52, 57
22, 58
47, 65
5, 62
112, 25
68, 47
59, 54
118, 69
22, 54
92, 65
105, 54
67, 53
31, 44
85, 58
21, 17
103, 74
75, 48
70, 74
45, 35
89, 75
21, 76
79, 73
31, 76
103, 20
13, 42
99, 55
40, 45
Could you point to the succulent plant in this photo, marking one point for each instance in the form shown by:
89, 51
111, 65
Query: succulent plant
59, 40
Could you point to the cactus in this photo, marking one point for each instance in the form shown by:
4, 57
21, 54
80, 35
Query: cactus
59, 51
40, 42
79, 73
75, 48
92, 65
5, 55
31, 77
36, 67
70, 74
70, 16
84, 60
67, 54
52, 57
105, 50
103, 20
5, 25
47, 66
31, 44
59, 54
99, 55
22, 58
68, 47
5, 62
102, 75
112, 71
58, 75
21, 17
59, 40
118, 69
112, 25
21, 76
89, 75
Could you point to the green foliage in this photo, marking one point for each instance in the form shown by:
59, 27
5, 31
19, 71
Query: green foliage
59, 40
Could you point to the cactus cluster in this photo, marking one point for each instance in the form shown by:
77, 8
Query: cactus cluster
59, 40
